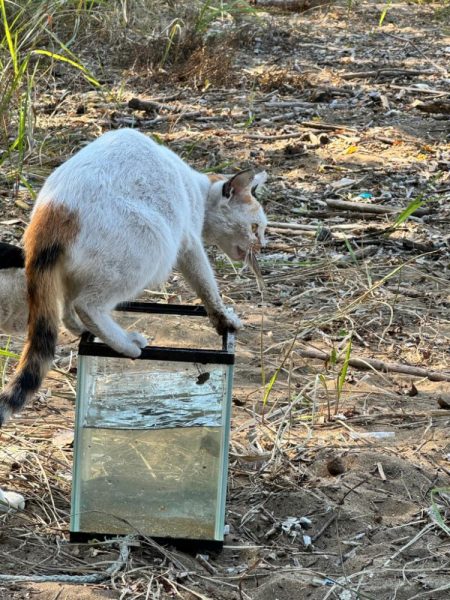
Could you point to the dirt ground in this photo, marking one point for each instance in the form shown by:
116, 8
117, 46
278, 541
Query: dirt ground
339, 481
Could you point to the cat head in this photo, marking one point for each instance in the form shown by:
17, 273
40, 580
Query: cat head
235, 220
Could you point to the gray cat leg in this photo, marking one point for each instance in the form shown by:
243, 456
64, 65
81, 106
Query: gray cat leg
194, 265
101, 324
71, 321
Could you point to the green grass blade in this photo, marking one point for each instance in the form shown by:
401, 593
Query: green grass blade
384, 13
8, 354
277, 372
270, 385
350, 249
343, 371
71, 62
435, 509
409, 210
9, 40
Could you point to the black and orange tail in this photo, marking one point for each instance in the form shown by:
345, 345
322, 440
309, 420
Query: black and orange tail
46, 239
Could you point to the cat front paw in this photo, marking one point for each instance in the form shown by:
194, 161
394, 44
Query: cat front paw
137, 338
225, 321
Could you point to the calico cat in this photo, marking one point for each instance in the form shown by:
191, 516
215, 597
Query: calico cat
13, 290
116, 217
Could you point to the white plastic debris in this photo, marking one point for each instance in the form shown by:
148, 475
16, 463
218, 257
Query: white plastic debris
11, 501
293, 526
377, 435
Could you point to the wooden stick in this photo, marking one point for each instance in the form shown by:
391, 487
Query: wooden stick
438, 106
294, 5
367, 364
309, 125
324, 527
361, 206
328, 126
149, 106
387, 73
281, 136
174, 117
377, 209
293, 226
417, 90
290, 104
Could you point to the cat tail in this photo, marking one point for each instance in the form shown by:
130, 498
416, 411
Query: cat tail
46, 239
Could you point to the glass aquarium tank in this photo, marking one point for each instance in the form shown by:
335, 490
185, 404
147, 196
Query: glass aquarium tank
151, 434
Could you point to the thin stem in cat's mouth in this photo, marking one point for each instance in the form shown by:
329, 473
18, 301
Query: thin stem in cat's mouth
251, 261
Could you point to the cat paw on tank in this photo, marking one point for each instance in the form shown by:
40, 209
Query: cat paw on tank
225, 321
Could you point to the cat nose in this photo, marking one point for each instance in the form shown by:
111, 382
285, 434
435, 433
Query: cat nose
261, 241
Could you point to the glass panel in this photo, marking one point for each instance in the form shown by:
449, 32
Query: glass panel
150, 452
159, 482
141, 394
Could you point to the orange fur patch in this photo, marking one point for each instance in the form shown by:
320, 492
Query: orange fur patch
247, 198
50, 224
214, 177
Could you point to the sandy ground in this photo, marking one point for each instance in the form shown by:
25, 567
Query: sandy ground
362, 455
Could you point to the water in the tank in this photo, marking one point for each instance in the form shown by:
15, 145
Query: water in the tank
163, 482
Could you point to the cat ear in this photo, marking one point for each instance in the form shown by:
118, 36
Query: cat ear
259, 179
238, 183
242, 183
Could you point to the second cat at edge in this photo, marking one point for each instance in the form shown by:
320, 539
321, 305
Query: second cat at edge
115, 218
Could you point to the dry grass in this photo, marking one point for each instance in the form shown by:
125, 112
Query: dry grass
85, 44
372, 531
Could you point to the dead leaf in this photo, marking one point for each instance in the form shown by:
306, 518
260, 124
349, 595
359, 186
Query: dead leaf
22, 204
63, 438
11, 222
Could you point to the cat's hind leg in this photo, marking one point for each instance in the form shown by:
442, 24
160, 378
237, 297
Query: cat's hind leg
71, 320
99, 322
